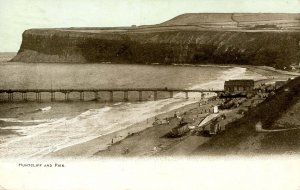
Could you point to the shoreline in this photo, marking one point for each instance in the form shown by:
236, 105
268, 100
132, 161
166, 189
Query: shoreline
11, 55
90, 147
268, 68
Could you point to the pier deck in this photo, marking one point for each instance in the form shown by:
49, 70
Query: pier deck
10, 92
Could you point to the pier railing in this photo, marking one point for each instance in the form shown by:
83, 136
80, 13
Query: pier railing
38, 92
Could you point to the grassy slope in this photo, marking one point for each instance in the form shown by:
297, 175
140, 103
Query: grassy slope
227, 17
241, 137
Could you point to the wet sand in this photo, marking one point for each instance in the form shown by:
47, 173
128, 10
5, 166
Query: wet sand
90, 148
154, 142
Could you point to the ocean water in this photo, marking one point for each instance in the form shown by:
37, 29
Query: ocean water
57, 75
49, 131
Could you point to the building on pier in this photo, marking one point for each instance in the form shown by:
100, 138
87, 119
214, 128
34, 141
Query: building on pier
242, 86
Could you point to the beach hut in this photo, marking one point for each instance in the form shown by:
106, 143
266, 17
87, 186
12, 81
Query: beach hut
216, 109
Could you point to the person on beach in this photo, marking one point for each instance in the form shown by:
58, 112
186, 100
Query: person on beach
175, 115
125, 150
203, 127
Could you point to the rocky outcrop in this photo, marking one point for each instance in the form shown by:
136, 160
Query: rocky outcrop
167, 43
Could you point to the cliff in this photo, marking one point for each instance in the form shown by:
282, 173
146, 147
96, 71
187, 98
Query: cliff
257, 39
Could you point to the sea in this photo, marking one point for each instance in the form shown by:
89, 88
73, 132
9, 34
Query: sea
33, 130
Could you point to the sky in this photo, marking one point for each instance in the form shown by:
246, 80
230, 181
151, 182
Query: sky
19, 15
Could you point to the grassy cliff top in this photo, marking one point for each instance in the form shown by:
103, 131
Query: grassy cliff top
199, 18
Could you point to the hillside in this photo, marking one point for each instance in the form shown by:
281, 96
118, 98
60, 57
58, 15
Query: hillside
255, 39
242, 138
236, 20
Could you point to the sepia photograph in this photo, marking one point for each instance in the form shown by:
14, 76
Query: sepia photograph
109, 90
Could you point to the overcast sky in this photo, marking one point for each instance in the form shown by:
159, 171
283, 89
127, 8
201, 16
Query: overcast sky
19, 15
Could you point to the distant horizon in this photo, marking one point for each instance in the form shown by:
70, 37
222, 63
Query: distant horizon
19, 15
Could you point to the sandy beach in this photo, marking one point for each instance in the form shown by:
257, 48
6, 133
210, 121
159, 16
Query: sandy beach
90, 148
155, 142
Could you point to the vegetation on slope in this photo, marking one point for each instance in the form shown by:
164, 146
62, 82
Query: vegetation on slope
243, 132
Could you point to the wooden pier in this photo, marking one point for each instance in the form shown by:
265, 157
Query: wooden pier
38, 92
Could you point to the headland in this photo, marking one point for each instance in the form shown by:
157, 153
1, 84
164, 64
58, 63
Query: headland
269, 39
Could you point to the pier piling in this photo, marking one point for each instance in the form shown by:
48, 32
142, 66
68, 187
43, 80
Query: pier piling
81, 96
111, 96
140, 96
52, 96
96, 95
10, 96
24, 96
155, 95
125, 96
38, 92
38, 96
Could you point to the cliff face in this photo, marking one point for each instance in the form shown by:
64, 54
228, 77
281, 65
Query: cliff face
165, 43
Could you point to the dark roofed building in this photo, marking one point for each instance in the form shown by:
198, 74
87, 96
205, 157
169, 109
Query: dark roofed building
239, 86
